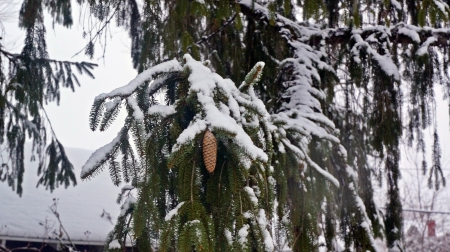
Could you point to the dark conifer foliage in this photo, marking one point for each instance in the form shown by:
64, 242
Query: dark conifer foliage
29, 80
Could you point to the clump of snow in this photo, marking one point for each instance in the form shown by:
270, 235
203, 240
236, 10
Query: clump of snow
112, 104
410, 33
173, 212
251, 195
262, 222
127, 188
31, 126
424, 47
137, 112
396, 4
442, 6
114, 244
127, 204
247, 215
162, 110
99, 156
384, 61
228, 236
192, 222
195, 127
242, 233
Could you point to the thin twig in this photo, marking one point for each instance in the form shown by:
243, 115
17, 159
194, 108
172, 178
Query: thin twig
99, 31
206, 38
228, 22
13, 56
54, 210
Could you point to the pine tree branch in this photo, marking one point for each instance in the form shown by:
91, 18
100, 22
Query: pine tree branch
228, 22
206, 38
14, 56
343, 35
333, 36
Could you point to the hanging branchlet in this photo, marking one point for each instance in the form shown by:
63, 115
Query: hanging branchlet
436, 169
59, 170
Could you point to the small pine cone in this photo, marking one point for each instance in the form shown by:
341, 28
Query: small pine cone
209, 151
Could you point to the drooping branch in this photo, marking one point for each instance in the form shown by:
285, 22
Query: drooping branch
16, 56
400, 33
228, 22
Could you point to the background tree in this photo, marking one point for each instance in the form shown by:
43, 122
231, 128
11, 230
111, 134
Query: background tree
28, 81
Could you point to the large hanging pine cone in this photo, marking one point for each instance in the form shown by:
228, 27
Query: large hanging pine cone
209, 151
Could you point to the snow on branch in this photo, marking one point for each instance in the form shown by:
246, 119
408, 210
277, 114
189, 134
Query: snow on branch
258, 12
425, 45
137, 112
161, 110
172, 213
127, 206
106, 112
301, 110
385, 61
366, 224
147, 75
300, 113
204, 83
96, 161
400, 33
323, 172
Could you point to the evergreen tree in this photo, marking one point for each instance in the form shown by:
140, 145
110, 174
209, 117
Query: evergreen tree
28, 81
297, 148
